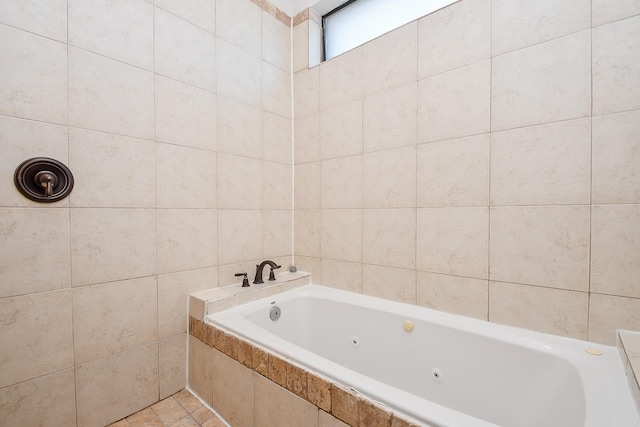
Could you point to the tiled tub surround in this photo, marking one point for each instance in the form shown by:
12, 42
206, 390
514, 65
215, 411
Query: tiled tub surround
206, 82
482, 160
318, 325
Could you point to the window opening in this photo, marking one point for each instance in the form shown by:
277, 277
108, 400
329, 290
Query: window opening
359, 21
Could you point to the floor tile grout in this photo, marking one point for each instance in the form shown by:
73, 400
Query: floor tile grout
182, 409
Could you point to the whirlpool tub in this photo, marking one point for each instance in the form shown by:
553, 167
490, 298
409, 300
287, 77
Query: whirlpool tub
439, 369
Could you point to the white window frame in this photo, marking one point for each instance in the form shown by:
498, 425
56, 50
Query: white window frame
356, 22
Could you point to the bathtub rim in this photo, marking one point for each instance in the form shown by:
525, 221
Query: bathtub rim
568, 348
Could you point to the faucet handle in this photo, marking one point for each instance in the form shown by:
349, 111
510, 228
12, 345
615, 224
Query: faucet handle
272, 276
245, 281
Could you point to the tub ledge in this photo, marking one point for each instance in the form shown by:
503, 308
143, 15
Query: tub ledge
203, 303
629, 346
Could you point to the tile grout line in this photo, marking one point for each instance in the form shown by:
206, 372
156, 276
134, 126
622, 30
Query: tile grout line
590, 178
68, 128
489, 210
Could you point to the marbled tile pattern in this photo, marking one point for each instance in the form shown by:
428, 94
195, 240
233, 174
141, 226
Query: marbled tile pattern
145, 101
342, 403
506, 131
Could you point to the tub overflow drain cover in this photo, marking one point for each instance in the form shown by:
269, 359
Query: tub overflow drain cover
274, 313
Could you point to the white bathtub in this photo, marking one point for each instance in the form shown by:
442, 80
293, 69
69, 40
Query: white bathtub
448, 370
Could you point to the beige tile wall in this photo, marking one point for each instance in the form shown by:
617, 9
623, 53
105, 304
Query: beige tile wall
175, 118
493, 176
482, 160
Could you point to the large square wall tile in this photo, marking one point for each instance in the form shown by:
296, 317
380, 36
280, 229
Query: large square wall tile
455, 103
236, 235
454, 294
46, 18
35, 250
199, 12
453, 37
341, 275
307, 232
233, 390
521, 23
307, 138
128, 307
541, 245
184, 115
341, 79
616, 158
200, 369
552, 311
186, 239
341, 237
390, 119
615, 245
543, 83
616, 66
112, 244
240, 23
306, 91
186, 177
276, 42
172, 365
109, 163
120, 30
275, 405
542, 165
196, 64
47, 400
341, 182
307, 186
99, 87
111, 388
276, 138
277, 185
603, 13
389, 179
239, 74
277, 233
276, 90
454, 172
396, 284
35, 335
239, 182
239, 128
33, 76
341, 130
390, 60
389, 237
453, 240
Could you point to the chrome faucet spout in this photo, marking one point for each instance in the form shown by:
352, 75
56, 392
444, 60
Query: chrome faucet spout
260, 267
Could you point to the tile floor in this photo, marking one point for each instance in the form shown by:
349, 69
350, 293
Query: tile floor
180, 410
